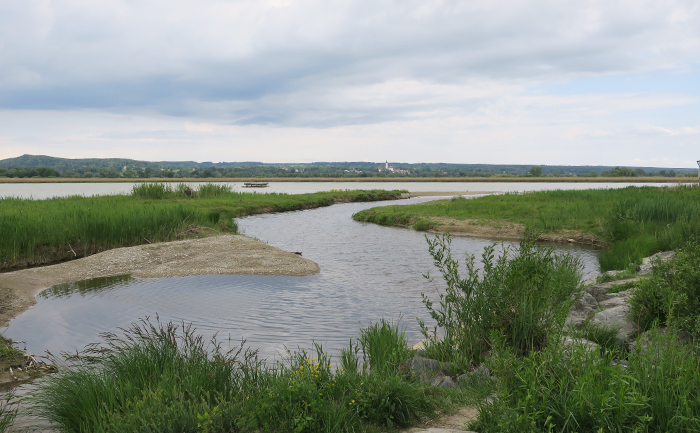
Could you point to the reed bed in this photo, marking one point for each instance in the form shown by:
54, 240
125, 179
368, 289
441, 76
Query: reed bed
43, 231
635, 222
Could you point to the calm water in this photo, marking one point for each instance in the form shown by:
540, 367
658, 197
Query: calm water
367, 272
48, 190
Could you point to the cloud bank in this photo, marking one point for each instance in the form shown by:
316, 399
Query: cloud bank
548, 81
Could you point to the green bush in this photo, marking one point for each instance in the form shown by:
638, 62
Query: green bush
672, 292
577, 390
525, 294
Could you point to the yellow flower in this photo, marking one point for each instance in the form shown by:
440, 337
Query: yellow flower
362, 383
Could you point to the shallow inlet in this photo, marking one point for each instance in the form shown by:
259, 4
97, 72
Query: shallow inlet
367, 272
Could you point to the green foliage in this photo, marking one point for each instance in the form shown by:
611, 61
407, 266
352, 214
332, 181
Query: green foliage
525, 294
577, 390
536, 171
213, 190
152, 191
606, 337
385, 347
8, 411
672, 292
164, 378
42, 231
635, 222
153, 378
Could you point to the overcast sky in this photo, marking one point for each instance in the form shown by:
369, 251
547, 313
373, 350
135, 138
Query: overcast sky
526, 82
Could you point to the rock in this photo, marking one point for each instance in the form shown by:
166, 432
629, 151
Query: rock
581, 309
660, 334
569, 342
478, 375
648, 263
422, 366
616, 318
442, 381
616, 301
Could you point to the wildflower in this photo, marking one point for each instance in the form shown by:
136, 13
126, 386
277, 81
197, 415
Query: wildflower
362, 383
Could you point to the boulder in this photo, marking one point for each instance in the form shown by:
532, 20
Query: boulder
569, 343
424, 366
441, 381
649, 262
661, 336
581, 310
615, 301
478, 375
616, 317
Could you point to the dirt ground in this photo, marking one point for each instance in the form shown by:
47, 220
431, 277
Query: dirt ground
505, 230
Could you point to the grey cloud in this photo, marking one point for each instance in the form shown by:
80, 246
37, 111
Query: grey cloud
250, 63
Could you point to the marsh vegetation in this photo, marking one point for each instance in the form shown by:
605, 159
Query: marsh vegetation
633, 222
37, 232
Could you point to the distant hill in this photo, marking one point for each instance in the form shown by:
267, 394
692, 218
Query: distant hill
29, 165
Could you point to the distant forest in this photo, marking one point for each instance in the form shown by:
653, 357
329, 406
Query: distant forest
39, 166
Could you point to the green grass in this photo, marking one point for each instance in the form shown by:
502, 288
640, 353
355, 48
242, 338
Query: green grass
42, 231
635, 221
577, 390
165, 378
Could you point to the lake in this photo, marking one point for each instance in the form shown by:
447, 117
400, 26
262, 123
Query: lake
48, 190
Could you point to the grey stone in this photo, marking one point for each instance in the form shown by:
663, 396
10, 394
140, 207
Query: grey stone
442, 381
642, 343
616, 317
581, 309
569, 343
421, 366
648, 263
615, 301
479, 374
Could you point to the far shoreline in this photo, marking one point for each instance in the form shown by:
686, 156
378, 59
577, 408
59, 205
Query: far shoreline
563, 179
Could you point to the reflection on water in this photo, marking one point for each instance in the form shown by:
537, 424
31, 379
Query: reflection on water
86, 288
367, 272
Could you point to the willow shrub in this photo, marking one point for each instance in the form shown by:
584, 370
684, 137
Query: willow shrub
525, 294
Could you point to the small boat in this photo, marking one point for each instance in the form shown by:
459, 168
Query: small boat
255, 185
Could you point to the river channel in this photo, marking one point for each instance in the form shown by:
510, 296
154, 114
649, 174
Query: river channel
368, 272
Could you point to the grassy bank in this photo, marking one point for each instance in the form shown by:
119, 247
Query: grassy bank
634, 222
43, 231
164, 378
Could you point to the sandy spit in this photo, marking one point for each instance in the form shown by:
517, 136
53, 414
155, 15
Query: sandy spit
224, 254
